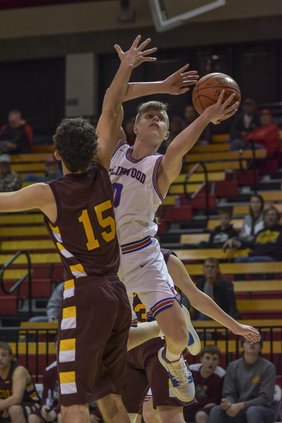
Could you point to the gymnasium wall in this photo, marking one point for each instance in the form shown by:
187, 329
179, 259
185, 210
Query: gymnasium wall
40, 49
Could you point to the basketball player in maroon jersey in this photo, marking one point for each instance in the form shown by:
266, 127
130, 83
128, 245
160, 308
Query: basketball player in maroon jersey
95, 315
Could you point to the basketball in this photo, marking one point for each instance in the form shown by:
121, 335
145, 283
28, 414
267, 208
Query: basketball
208, 88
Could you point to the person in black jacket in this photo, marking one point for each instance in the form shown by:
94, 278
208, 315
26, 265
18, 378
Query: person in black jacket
224, 230
219, 289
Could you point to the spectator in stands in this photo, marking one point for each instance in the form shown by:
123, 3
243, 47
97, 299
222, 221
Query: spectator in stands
243, 124
253, 222
18, 396
52, 172
50, 407
248, 389
190, 115
208, 378
224, 231
53, 306
267, 244
219, 289
15, 136
9, 180
267, 135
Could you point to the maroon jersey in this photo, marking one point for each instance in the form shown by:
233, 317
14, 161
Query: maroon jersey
85, 231
208, 390
6, 387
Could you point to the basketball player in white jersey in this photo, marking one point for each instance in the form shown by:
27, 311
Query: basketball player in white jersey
141, 180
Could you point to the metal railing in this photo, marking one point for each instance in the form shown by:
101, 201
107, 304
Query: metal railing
205, 185
19, 282
35, 347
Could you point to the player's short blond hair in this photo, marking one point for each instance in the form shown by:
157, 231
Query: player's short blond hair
152, 105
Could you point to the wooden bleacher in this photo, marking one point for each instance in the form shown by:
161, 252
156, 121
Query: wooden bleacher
274, 267
271, 195
243, 209
36, 258
220, 138
44, 148
200, 177
194, 239
218, 166
23, 231
40, 244
254, 286
21, 218
237, 223
204, 253
270, 304
30, 158
28, 167
210, 148
224, 156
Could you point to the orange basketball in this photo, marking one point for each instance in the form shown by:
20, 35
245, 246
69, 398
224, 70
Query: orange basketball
208, 88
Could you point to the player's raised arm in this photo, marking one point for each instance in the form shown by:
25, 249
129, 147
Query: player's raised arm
175, 84
36, 196
183, 142
110, 121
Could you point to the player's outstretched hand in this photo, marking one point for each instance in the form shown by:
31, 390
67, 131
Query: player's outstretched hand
136, 54
248, 332
222, 109
179, 81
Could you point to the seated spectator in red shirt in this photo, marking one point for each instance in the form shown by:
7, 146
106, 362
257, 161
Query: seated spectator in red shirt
267, 135
208, 378
15, 136
9, 180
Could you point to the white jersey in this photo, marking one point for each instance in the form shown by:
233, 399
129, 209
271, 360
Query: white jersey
136, 200
136, 194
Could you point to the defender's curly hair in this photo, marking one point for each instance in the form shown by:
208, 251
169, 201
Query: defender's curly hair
76, 142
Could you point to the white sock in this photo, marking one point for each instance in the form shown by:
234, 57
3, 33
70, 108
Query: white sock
171, 357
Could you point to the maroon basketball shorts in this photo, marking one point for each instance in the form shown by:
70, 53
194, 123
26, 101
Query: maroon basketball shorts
144, 371
92, 340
